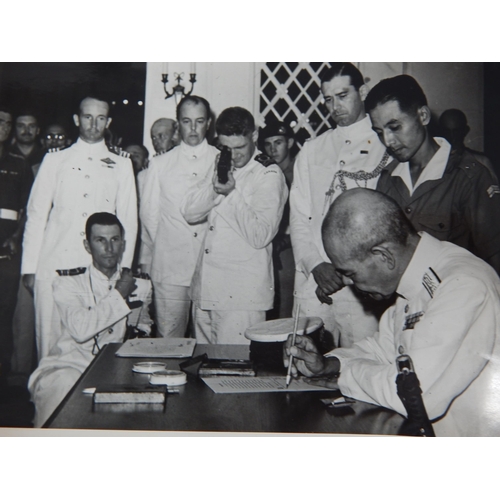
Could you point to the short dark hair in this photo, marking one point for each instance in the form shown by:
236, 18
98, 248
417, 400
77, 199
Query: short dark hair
344, 69
143, 148
103, 219
27, 112
195, 100
403, 89
235, 121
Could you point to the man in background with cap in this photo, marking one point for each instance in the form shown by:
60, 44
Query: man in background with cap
278, 141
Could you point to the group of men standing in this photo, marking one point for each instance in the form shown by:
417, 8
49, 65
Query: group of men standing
208, 245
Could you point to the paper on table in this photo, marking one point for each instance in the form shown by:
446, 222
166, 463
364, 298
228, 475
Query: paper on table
232, 385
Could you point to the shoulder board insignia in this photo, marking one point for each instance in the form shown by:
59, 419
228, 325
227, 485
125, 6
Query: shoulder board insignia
265, 160
118, 151
493, 190
159, 153
71, 272
53, 150
142, 276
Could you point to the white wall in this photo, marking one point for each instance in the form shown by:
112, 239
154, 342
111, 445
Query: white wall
222, 84
447, 85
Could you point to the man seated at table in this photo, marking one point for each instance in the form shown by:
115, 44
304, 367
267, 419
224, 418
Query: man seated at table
95, 304
446, 317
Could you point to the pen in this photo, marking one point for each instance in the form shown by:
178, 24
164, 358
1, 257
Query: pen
295, 325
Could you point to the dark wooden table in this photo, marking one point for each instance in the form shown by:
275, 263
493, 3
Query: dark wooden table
197, 408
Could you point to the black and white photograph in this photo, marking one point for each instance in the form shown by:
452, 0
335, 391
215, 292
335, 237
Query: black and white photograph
275, 247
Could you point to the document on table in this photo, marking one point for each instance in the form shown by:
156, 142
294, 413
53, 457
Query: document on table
232, 385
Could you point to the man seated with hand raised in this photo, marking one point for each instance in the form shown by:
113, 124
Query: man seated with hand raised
446, 318
95, 305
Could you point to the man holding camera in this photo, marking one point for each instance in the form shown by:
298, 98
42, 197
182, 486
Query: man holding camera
233, 285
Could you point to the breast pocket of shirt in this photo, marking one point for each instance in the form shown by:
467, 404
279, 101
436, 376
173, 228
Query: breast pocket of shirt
441, 226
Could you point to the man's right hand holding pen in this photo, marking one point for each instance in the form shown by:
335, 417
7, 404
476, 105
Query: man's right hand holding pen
309, 362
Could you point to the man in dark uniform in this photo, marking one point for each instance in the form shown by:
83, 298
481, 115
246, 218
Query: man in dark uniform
26, 131
278, 140
446, 193
15, 184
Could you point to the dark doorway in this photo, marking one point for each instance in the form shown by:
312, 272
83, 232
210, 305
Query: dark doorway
492, 113
54, 90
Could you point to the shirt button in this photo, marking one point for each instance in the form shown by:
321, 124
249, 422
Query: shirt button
87, 177
195, 234
194, 174
211, 228
408, 210
407, 308
207, 250
82, 234
86, 195
84, 214
401, 349
342, 162
90, 159
348, 141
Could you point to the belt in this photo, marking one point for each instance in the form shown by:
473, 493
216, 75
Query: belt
5, 213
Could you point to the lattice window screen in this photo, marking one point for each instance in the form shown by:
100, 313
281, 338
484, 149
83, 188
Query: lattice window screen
291, 92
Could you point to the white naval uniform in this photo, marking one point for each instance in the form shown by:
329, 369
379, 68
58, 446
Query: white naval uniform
234, 273
350, 149
447, 319
170, 245
92, 312
71, 185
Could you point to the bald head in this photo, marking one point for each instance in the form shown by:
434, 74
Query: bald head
361, 219
163, 133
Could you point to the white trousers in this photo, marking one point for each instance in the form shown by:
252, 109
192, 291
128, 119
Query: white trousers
172, 305
47, 319
346, 318
49, 389
224, 327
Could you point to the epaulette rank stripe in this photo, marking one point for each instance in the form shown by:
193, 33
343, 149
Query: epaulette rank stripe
159, 154
53, 150
71, 272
